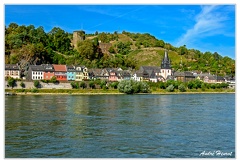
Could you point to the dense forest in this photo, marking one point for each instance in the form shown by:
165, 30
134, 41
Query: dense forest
28, 44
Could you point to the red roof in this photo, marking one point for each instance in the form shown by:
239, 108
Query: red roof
61, 68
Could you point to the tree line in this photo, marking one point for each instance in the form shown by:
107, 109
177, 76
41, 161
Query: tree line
35, 46
131, 86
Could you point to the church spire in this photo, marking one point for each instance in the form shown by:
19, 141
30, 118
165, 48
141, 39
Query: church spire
166, 61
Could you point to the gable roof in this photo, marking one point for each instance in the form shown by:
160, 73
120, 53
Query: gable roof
70, 68
150, 68
11, 67
48, 67
60, 68
36, 67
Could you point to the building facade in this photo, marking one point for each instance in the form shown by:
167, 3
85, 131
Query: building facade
12, 70
60, 72
71, 73
35, 72
48, 71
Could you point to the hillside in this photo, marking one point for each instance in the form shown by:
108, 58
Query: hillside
126, 50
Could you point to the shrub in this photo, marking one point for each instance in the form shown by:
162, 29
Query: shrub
103, 83
83, 85
190, 85
162, 85
128, 88
114, 85
11, 82
22, 85
92, 84
54, 79
170, 88
203, 87
136, 86
75, 85
182, 88
144, 87
34, 90
131, 86
36, 83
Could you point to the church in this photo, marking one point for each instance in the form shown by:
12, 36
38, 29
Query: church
166, 69
154, 73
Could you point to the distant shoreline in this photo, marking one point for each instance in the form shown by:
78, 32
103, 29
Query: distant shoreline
117, 93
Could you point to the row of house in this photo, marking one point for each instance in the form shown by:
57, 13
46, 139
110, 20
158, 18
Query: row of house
47, 71
80, 73
67, 73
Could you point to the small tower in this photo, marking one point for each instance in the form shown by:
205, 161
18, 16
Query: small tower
78, 36
166, 69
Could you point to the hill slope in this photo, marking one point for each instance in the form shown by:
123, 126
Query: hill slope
128, 50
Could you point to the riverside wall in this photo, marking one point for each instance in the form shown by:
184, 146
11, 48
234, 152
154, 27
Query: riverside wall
30, 85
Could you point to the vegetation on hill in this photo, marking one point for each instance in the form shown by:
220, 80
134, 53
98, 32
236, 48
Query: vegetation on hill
129, 50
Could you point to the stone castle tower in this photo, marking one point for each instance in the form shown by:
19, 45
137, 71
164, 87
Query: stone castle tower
166, 69
77, 36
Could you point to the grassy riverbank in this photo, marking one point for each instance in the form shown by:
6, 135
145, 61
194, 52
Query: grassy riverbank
164, 91
109, 91
63, 91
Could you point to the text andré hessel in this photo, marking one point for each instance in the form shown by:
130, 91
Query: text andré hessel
217, 153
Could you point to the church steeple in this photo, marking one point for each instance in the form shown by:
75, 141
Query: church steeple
166, 64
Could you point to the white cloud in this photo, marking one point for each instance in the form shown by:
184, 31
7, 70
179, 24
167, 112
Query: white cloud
209, 22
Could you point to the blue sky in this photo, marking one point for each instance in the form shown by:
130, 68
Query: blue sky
203, 27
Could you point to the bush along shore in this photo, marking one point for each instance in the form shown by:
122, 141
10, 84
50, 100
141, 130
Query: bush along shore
129, 87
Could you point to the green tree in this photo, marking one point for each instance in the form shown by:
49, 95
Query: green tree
160, 43
87, 49
11, 82
190, 84
203, 86
103, 83
59, 40
136, 86
182, 88
22, 85
128, 88
75, 85
103, 37
197, 83
111, 49
170, 88
123, 48
83, 85
114, 85
53, 79
92, 84
183, 50
131, 86
162, 85
36, 83
144, 87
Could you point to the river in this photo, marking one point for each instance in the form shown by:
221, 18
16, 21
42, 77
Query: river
120, 126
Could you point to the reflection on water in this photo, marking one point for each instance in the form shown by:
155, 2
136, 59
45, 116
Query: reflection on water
119, 126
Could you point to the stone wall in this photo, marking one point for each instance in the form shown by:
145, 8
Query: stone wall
30, 85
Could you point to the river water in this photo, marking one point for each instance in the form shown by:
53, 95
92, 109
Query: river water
120, 126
